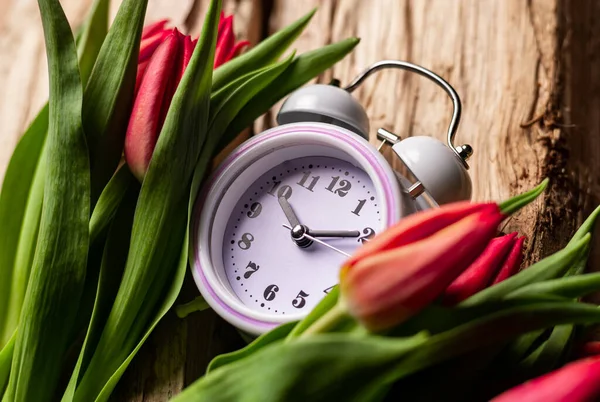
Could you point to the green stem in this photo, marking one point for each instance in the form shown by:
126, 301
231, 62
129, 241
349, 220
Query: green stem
333, 318
198, 304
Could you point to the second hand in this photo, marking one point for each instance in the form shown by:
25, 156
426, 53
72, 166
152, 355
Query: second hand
319, 241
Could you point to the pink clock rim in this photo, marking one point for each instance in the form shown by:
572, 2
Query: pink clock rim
331, 131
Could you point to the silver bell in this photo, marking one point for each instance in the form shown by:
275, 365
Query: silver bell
436, 168
325, 104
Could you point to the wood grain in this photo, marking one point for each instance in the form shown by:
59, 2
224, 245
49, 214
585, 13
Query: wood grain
527, 72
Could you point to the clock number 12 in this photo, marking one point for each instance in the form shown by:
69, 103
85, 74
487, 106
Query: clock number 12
342, 191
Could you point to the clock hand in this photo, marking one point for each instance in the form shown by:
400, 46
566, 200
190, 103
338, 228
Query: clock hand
289, 212
309, 237
334, 233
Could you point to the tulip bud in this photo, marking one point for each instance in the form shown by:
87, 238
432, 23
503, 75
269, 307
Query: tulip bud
408, 266
512, 263
576, 382
164, 55
483, 270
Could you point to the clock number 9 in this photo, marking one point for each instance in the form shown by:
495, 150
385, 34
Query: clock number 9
271, 292
255, 210
342, 191
369, 233
246, 241
299, 301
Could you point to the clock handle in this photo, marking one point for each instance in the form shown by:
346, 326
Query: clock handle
463, 152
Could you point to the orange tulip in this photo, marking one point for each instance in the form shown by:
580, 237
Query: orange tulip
411, 264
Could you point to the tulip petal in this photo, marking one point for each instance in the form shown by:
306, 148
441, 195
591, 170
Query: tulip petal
576, 382
141, 70
513, 261
151, 29
144, 124
479, 274
188, 50
237, 49
149, 45
225, 42
419, 226
384, 289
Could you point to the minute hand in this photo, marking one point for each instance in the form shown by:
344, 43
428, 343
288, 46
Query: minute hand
334, 233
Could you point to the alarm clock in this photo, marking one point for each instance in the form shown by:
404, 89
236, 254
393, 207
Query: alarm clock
279, 216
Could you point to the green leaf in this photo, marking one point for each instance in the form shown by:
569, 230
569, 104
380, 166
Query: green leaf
113, 259
237, 94
262, 341
512, 205
549, 354
569, 287
14, 197
109, 201
302, 69
92, 36
328, 367
159, 227
325, 305
58, 270
6, 354
26, 249
341, 367
261, 55
109, 93
548, 268
586, 227
22, 191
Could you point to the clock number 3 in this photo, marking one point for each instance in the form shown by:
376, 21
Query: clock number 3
246, 241
271, 292
300, 300
342, 191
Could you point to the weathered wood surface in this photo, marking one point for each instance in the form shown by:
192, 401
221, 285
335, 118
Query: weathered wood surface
528, 73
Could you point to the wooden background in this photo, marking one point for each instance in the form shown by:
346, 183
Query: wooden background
528, 73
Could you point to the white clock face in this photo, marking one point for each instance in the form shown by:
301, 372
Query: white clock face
268, 271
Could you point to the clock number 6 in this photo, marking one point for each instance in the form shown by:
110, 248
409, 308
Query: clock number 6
271, 292
299, 301
246, 241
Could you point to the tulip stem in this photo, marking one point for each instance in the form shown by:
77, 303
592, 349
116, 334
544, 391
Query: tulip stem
329, 321
198, 304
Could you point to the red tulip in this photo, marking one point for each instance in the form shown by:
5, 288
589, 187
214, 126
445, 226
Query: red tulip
576, 382
164, 55
512, 263
483, 270
407, 267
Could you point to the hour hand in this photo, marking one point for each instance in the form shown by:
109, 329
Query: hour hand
334, 233
289, 212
